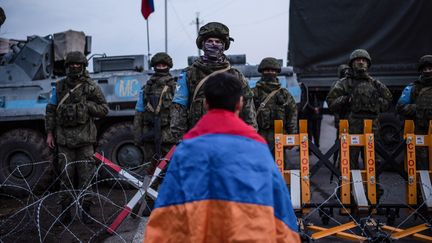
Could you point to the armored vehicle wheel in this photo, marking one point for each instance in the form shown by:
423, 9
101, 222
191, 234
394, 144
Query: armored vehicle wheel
117, 144
390, 130
25, 162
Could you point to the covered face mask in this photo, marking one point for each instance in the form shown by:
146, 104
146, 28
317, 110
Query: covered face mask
213, 51
427, 71
164, 70
268, 77
74, 72
360, 67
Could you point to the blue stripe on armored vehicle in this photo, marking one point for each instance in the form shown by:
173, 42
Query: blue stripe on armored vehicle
26, 95
127, 86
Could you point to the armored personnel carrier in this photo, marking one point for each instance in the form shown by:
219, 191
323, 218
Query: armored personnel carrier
28, 69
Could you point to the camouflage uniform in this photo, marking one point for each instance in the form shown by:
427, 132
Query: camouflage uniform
364, 97
72, 123
186, 111
145, 114
415, 104
281, 106
343, 71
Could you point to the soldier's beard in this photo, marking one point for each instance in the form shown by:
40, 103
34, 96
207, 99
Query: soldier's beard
213, 52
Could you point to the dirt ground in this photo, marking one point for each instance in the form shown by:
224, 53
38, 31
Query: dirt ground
33, 219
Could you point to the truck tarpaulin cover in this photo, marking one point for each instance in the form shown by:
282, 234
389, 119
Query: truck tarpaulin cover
323, 33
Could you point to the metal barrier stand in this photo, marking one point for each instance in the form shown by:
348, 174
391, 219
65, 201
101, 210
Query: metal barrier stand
365, 140
422, 176
297, 179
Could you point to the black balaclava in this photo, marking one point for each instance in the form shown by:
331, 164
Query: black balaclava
360, 69
268, 77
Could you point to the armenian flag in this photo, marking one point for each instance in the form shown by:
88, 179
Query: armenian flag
222, 185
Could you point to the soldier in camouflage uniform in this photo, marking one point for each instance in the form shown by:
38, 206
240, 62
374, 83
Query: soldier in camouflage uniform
273, 102
152, 116
188, 103
415, 104
343, 71
74, 104
159, 89
364, 97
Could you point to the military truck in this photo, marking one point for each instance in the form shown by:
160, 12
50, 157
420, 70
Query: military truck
322, 34
28, 69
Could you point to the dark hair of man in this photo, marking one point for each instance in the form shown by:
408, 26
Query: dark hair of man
223, 91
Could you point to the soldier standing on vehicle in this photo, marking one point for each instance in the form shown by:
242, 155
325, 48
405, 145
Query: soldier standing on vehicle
152, 116
416, 103
188, 103
364, 96
273, 102
74, 104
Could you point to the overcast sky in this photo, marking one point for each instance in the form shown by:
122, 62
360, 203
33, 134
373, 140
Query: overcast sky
260, 28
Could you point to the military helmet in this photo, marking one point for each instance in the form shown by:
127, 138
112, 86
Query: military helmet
214, 29
269, 63
342, 68
76, 57
424, 61
2, 16
161, 57
360, 53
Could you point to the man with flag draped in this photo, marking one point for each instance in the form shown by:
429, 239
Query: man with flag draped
222, 184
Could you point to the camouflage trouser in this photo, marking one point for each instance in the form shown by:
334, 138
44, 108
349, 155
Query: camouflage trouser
268, 135
422, 153
149, 150
150, 154
356, 126
75, 175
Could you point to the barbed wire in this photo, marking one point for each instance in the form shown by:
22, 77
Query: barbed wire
37, 215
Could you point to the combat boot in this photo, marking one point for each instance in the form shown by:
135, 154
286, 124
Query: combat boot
85, 214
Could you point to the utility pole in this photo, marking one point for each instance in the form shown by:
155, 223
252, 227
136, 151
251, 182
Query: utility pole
166, 27
197, 22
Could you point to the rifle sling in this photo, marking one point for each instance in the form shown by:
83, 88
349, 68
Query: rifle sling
158, 107
264, 103
201, 83
68, 94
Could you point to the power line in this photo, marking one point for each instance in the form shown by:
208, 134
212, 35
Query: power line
263, 20
214, 12
181, 22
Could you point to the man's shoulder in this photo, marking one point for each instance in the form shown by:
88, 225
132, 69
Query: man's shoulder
90, 81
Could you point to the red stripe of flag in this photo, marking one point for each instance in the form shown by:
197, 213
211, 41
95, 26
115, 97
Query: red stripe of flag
147, 7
